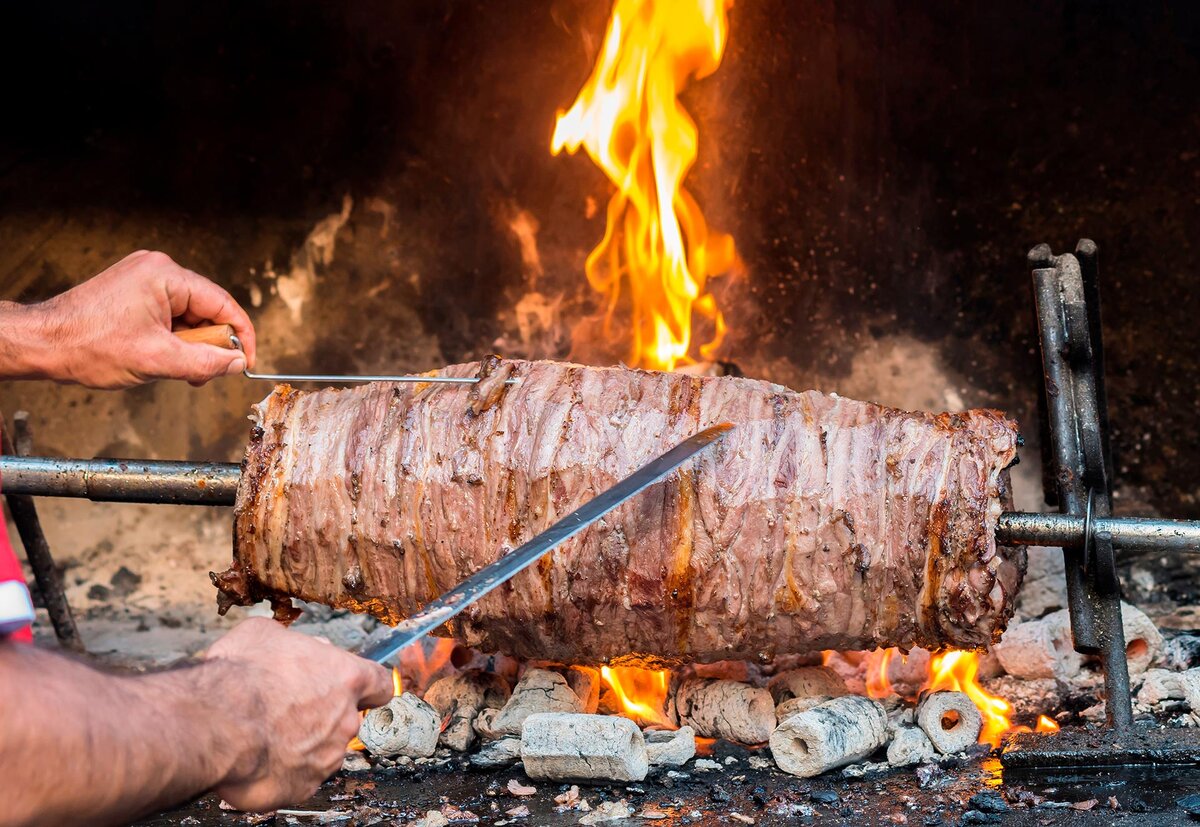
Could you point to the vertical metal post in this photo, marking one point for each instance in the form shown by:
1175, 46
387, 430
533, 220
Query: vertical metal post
1066, 290
37, 549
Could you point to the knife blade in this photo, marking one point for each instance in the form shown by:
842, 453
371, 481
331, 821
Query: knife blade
501, 571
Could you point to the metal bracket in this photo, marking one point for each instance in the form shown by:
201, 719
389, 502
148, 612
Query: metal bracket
1076, 454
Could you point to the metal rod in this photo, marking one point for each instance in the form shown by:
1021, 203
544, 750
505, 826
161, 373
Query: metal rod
332, 379
215, 483
1018, 528
335, 379
122, 480
37, 547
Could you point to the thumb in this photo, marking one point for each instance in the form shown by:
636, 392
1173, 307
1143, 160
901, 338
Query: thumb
376, 687
198, 363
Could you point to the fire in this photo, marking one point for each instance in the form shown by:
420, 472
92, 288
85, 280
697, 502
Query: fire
957, 671
641, 693
1046, 724
423, 663
629, 120
878, 684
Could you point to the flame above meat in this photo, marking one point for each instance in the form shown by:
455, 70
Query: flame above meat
629, 120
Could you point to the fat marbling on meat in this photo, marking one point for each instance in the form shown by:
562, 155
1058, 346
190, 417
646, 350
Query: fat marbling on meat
817, 523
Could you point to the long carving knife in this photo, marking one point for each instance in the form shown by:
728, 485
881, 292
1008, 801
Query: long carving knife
491, 577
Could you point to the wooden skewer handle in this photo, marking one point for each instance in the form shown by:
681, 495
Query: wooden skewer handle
220, 335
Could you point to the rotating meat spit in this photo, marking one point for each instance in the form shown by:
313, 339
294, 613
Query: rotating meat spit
1078, 479
174, 482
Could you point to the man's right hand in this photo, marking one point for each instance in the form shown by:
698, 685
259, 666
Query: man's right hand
307, 696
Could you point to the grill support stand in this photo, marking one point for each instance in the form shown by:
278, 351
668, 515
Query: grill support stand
1067, 296
37, 549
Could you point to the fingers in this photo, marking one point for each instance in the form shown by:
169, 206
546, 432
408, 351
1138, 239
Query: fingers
248, 637
377, 688
196, 363
197, 299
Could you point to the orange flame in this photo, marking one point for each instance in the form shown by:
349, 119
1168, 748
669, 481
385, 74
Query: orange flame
1045, 724
641, 693
878, 684
958, 671
628, 119
423, 663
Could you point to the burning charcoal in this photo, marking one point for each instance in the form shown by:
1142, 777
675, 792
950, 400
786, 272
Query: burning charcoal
1040, 648
585, 682
1160, 686
904, 716
498, 753
1045, 587
609, 704
831, 735
730, 670
406, 726
989, 666
726, 709
807, 682
1143, 642
950, 720
539, 690
910, 745
485, 724
1181, 652
851, 667
355, 762
792, 706
1029, 697
460, 698
575, 746
670, 748
608, 811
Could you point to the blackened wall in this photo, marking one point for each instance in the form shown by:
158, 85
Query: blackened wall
883, 166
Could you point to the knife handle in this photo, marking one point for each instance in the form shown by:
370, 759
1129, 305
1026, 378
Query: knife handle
220, 335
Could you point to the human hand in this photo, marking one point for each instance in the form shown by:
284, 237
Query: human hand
115, 330
307, 698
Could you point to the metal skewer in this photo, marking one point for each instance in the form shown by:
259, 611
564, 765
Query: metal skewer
222, 335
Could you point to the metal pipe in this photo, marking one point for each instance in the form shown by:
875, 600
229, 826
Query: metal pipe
1017, 528
215, 483
122, 480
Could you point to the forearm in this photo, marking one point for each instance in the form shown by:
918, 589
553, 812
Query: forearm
78, 743
27, 340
